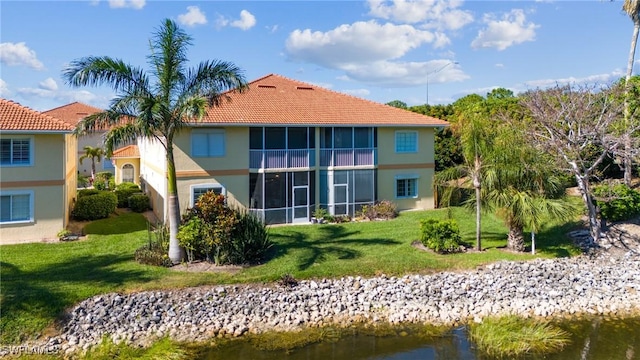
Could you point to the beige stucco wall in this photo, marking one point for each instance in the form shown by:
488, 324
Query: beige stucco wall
236, 152
53, 180
71, 178
119, 163
48, 160
236, 187
48, 203
392, 164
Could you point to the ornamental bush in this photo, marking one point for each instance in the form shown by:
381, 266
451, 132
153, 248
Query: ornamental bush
139, 202
384, 209
93, 207
215, 232
124, 194
88, 192
617, 202
441, 236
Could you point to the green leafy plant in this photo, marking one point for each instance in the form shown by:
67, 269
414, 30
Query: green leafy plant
441, 236
190, 237
617, 202
321, 213
155, 251
63, 234
139, 203
250, 240
98, 206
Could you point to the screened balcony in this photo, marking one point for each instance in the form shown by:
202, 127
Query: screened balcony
282, 159
348, 157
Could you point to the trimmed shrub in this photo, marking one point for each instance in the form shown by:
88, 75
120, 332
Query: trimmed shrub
98, 206
617, 202
441, 236
191, 237
139, 202
385, 209
127, 185
88, 192
123, 196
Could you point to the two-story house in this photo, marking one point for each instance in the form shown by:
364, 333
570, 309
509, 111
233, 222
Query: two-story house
285, 147
72, 114
38, 174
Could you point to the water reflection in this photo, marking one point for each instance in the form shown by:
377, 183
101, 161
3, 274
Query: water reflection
593, 339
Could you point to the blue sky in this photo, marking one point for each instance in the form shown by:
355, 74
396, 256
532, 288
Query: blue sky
378, 50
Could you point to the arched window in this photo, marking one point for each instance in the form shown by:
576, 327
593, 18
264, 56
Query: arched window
128, 173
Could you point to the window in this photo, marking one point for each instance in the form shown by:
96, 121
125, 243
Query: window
205, 143
199, 190
16, 207
128, 173
406, 186
15, 151
406, 141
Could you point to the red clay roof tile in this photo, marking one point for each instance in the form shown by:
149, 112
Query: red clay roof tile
277, 100
129, 151
16, 117
72, 113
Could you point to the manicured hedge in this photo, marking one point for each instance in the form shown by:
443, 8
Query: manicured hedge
97, 206
139, 203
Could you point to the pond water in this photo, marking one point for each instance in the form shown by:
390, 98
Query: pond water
593, 339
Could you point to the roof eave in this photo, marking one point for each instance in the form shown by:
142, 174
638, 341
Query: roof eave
27, 132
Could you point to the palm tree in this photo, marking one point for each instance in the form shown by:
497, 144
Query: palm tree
474, 130
632, 8
156, 104
523, 187
93, 153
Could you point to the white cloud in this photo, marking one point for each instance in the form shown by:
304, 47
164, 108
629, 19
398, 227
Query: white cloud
134, 4
433, 14
49, 84
511, 29
4, 89
499, 66
272, 29
357, 92
406, 74
193, 17
15, 54
356, 44
591, 79
246, 21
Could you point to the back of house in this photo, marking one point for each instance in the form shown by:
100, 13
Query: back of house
38, 174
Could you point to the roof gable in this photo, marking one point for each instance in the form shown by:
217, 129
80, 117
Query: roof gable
129, 151
277, 100
72, 113
16, 117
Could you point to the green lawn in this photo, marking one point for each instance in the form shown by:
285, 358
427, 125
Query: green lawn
39, 281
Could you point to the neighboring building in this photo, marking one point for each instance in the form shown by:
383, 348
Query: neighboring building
38, 174
285, 147
72, 114
127, 161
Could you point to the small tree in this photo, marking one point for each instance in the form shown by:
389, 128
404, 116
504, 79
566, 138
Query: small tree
93, 153
567, 121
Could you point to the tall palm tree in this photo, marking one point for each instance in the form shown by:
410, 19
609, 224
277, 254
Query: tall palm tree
156, 104
632, 8
93, 153
474, 130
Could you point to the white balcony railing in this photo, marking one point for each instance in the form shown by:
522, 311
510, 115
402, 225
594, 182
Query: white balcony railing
347, 157
281, 159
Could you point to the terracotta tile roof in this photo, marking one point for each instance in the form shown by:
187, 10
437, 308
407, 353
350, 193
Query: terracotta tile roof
16, 117
277, 100
129, 151
72, 113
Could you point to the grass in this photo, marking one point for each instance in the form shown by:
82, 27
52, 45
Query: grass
512, 336
41, 280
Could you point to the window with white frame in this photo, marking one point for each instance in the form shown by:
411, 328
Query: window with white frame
16, 151
201, 189
128, 173
406, 186
16, 206
406, 141
207, 142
